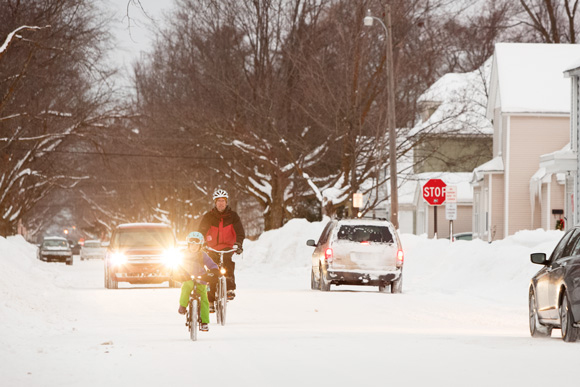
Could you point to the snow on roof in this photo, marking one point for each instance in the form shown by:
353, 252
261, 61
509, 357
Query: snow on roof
493, 165
530, 77
573, 67
460, 100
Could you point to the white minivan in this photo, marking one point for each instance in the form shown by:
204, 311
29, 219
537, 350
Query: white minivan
92, 250
358, 252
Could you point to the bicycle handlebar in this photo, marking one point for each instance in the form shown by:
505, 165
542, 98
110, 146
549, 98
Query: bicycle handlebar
221, 251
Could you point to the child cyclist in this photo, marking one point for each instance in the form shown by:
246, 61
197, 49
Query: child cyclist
198, 264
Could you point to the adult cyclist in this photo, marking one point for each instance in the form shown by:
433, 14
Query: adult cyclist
223, 230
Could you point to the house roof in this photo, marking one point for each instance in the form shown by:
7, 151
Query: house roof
563, 160
528, 78
493, 165
461, 100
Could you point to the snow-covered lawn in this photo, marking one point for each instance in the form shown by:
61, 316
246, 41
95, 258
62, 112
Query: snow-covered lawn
461, 321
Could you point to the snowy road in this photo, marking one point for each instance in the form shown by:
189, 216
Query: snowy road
281, 333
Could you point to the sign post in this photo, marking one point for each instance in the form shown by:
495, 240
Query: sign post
451, 207
434, 192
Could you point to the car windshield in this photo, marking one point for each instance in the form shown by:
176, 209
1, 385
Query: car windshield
365, 233
92, 245
153, 237
54, 243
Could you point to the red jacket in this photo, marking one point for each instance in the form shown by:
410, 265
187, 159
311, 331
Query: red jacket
223, 229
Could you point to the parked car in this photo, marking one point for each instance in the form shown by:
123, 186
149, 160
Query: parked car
55, 249
357, 252
141, 253
462, 236
75, 247
92, 249
554, 293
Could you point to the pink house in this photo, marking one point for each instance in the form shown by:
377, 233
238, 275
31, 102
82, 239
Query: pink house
529, 105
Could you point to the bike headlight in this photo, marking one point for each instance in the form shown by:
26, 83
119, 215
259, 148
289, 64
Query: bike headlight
223, 270
118, 258
172, 258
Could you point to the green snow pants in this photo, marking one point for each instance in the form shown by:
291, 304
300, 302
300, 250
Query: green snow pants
186, 289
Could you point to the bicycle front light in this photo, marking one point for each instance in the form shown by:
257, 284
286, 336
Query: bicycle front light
223, 270
172, 258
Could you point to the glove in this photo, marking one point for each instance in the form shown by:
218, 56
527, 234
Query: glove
208, 276
238, 248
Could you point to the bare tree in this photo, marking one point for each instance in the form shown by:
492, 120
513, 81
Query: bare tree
48, 98
550, 21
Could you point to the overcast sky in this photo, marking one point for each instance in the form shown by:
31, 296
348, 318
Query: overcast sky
133, 27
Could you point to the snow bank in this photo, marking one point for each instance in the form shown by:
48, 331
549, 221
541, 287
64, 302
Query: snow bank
282, 248
28, 288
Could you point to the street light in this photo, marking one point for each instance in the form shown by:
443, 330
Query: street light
368, 22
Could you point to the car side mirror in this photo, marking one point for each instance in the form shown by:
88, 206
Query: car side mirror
310, 242
539, 258
105, 244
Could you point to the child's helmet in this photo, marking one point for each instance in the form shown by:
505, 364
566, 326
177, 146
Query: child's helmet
220, 193
195, 237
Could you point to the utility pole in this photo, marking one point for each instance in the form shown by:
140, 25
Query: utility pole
391, 120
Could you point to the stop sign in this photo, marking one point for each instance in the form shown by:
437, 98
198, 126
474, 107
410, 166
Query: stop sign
434, 192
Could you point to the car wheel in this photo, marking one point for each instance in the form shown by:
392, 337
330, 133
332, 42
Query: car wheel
107, 284
324, 283
397, 286
569, 332
537, 329
383, 287
110, 282
69, 262
314, 285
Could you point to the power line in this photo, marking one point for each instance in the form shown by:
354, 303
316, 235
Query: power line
88, 153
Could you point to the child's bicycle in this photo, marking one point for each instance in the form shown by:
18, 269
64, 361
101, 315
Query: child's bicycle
193, 316
221, 298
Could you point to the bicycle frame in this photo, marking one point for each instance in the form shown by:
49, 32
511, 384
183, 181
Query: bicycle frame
221, 291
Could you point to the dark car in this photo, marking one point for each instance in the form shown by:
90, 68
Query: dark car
55, 249
554, 296
141, 253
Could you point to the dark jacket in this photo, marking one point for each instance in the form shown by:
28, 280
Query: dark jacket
193, 264
222, 230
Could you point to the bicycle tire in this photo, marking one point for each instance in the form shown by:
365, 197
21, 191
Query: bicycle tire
193, 316
222, 300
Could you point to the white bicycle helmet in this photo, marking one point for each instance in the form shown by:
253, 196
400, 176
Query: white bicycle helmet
220, 193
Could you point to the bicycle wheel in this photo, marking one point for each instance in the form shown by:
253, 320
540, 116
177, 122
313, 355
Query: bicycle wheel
192, 319
222, 300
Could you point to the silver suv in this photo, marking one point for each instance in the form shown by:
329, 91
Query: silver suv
55, 249
358, 252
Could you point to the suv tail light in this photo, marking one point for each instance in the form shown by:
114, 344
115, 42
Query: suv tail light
328, 254
400, 257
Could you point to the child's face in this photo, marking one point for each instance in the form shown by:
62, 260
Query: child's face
194, 247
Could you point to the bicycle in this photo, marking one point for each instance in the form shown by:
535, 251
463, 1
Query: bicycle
193, 309
221, 298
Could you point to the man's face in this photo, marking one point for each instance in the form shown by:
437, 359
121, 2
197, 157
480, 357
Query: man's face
221, 204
